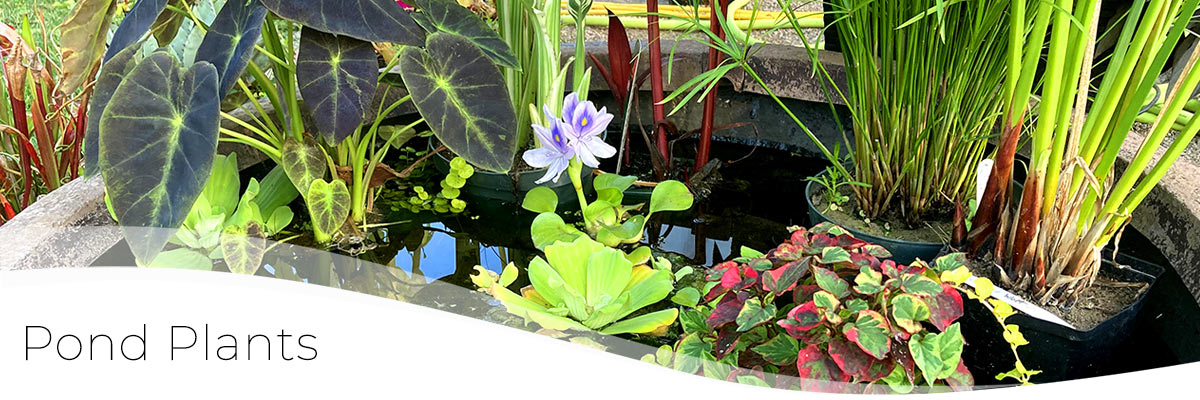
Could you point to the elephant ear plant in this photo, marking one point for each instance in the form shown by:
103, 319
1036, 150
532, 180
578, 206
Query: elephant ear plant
830, 309
156, 119
583, 285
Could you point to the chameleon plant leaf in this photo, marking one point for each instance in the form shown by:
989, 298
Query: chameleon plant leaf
338, 76
463, 98
368, 20
230, 40
447, 16
157, 144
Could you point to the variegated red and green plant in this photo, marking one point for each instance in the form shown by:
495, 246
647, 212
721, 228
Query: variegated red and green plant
830, 309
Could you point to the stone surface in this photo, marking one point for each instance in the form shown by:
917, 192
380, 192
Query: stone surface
69, 227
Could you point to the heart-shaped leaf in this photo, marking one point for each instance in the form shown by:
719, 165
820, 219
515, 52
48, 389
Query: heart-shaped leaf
448, 16
870, 333
463, 98
851, 359
158, 138
670, 196
230, 40
368, 20
868, 281
82, 41
780, 350
753, 313
687, 297
112, 73
818, 372
338, 76
328, 205
946, 307
540, 199
304, 162
243, 247
937, 355
134, 26
909, 311
831, 282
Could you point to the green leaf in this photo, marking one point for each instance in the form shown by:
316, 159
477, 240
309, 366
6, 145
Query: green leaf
937, 355
230, 40
693, 321
158, 138
613, 181
870, 333
463, 98
82, 41
868, 281
754, 313
670, 195
691, 352
826, 301
644, 323
450, 17
641, 255
367, 20
834, 255
328, 205
950, 262
243, 248
831, 282
630, 231
919, 285
221, 190
134, 26
549, 228
276, 190
337, 76
182, 259
279, 220
751, 253
167, 25
898, 380
608, 272
112, 73
540, 199
687, 297
780, 350
909, 311
304, 162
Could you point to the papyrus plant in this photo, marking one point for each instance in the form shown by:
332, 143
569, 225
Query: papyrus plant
1074, 202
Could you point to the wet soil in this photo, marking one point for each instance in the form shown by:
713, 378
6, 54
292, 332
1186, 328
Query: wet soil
935, 228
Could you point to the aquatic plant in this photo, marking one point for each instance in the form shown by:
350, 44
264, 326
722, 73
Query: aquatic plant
852, 316
583, 285
573, 141
1074, 202
156, 152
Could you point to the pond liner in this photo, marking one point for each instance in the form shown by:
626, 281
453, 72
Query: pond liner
1060, 352
487, 185
903, 251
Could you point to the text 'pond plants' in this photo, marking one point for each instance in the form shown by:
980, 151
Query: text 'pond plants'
460, 155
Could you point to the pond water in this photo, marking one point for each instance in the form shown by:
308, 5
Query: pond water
427, 258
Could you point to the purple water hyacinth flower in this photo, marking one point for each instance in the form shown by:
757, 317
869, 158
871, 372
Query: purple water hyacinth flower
586, 125
555, 154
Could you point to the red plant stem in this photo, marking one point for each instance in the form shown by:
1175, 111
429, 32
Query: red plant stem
9, 214
710, 101
45, 141
22, 126
80, 130
656, 78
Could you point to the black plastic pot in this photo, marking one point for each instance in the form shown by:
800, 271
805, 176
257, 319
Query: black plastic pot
1061, 353
487, 185
903, 251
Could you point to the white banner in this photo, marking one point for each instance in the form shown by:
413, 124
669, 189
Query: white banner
142, 333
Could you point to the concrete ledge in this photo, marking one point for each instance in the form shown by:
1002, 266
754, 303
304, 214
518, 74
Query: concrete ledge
69, 227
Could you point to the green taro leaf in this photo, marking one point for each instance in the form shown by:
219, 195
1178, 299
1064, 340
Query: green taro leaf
243, 248
909, 311
112, 73
670, 196
780, 350
328, 205
82, 41
304, 162
754, 313
367, 20
870, 333
134, 26
448, 16
937, 355
230, 40
463, 98
157, 143
831, 282
540, 199
338, 76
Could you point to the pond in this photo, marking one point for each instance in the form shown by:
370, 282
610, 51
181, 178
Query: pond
427, 258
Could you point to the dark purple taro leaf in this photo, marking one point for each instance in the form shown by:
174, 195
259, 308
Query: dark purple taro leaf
368, 20
134, 26
449, 17
111, 75
337, 76
230, 40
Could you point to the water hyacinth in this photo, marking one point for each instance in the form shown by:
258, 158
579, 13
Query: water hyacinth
581, 125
